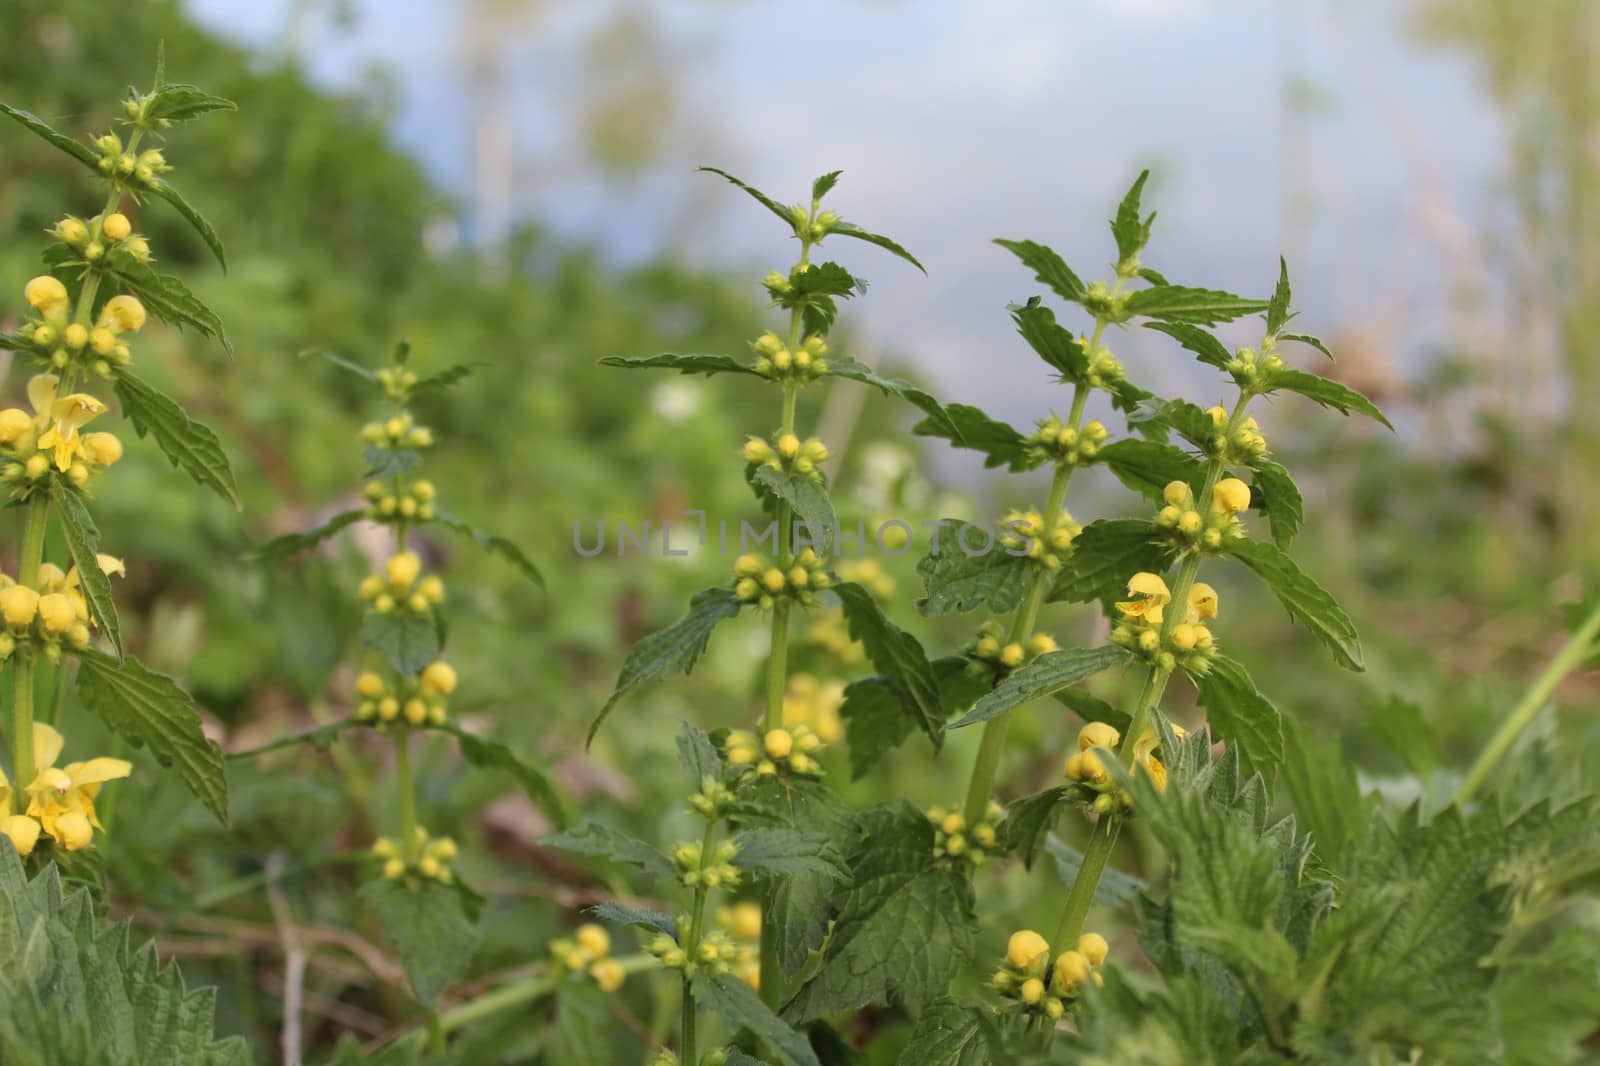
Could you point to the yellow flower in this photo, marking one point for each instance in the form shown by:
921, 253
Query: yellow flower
23, 831
18, 604
46, 294
1093, 947
1098, 735
593, 939
369, 685
1230, 496
1072, 968
402, 570
608, 974
71, 413
15, 423
1152, 595
1202, 602
63, 799
57, 612
125, 314
103, 448
1144, 755
116, 226
745, 922
1026, 948
439, 678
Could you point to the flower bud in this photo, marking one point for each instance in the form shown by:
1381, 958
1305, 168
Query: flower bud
1098, 735
45, 294
369, 685
1072, 968
72, 231
402, 569
56, 612
1093, 947
1230, 496
18, 605
439, 678
116, 227
1027, 950
778, 744
123, 313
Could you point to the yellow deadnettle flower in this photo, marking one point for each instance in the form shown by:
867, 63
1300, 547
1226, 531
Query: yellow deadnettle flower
1202, 602
1230, 496
1152, 593
1143, 754
18, 605
15, 423
63, 799
23, 831
124, 314
46, 294
71, 413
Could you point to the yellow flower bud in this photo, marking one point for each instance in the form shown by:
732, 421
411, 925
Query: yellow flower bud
1184, 636
45, 294
57, 612
757, 450
788, 445
416, 711
15, 423
778, 744
1042, 644
1189, 523
593, 939
1230, 496
123, 313
1093, 947
439, 678
608, 974
1032, 991
75, 336
73, 831
116, 227
393, 869
18, 604
1012, 655
746, 921
773, 580
432, 589
1098, 735
1026, 948
402, 570
23, 831
1071, 968
103, 448
37, 466
388, 708
1176, 493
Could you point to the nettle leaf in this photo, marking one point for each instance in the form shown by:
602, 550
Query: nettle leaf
444, 379
1046, 675
1154, 277
320, 738
187, 443
877, 718
845, 367
293, 543
947, 1034
807, 498
83, 543
1327, 392
1054, 343
897, 655
1147, 466
740, 1008
1278, 306
1116, 889
584, 1029
340, 361
673, 650
780, 853
386, 463
42, 129
1093, 709
601, 841
1277, 497
1306, 338
183, 103
842, 228
824, 185
1048, 268
192, 216
1303, 598
906, 926
1399, 725
1324, 790
698, 755
823, 279
965, 426
688, 364
757, 195
1105, 555
149, 708
1190, 422
1207, 348
958, 575
492, 755
1028, 822
1239, 714
1131, 231
170, 300
409, 641
428, 925
495, 545
621, 914
1180, 303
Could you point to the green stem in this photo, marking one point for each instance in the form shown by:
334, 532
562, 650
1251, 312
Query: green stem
408, 802
34, 521
993, 743
1569, 658
692, 945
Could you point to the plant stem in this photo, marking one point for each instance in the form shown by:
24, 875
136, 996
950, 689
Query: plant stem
34, 520
692, 945
408, 802
993, 743
1533, 701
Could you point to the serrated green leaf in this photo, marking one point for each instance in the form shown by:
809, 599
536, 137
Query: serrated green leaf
957, 578
1278, 306
1046, 675
339, 361
1131, 231
877, 718
897, 655
386, 463
170, 300
1115, 888
495, 545
42, 129
1105, 555
1028, 822
757, 195
1306, 338
823, 185
1191, 423
1207, 348
493, 755
966, 426
673, 650
842, 228
292, 543
148, 708
698, 755
1048, 268
1322, 784
808, 499
897, 886
1147, 467
740, 1008
601, 841
428, 926
1399, 725
409, 641
183, 103
1093, 709
83, 542
775, 853
1279, 500
1303, 598
845, 367
193, 217
687, 364
1054, 343
947, 1034
621, 914
321, 738
584, 1029
822, 279
1242, 716
1326, 392
1180, 303
450, 375
188, 444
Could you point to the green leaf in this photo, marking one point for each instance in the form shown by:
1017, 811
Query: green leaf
1093, 709
688, 364
407, 640
954, 580
1046, 675
1180, 303
1048, 268
1054, 343
947, 1034
1131, 231
1105, 555
1192, 424
593, 838
1210, 351
1326, 392
1279, 500
906, 926
170, 300
1323, 788
83, 542
321, 738
877, 718
584, 1028
1399, 725
807, 497
823, 279
193, 217
183, 103
495, 545
493, 755
898, 657
1028, 822
81, 152
340, 361
965, 426
842, 228
787, 853
1303, 598
149, 708
1147, 467
386, 463
612, 911
673, 650
845, 367
1278, 306
1306, 338
189, 444
698, 755
1115, 888
429, 927
1242, 716
293, 543
450, 375
757, 195
740, 1008
823, 185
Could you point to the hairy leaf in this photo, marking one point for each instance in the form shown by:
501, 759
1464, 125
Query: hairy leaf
966, 426
1147, 467
1279, 500
81, 152
192, 216
1048, 268
293, 543
1303, 598
845, 367
1327, 392
850, 229
189, 444
593, 838
429, 927
1242, 716
1028, 822
1131, 231
688, 364
496, 545
1278, 306
183, 103
877, 718
947, 1034
1180, 303
698, 755
740, 1008
897, 655
1105, 555
757, 195
1207, 348
960, 576
170, 300
83, 542
1054, 343
807, 497
1046, 675
493, 755
409, 641
612, 911
789, 853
